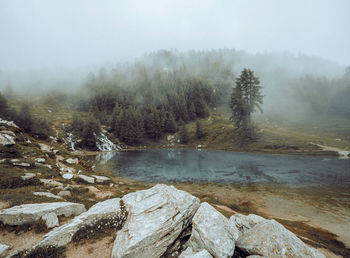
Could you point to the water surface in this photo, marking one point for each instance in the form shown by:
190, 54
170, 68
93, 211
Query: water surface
166, 165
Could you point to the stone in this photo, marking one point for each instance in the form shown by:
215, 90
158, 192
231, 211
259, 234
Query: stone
44, 147
63, 235
29, 213
3, 249
213, 232
244, 223
28, 176
8, 123
87, 179
188, 253
22, 164
64, 193
271, 239
51, 220
67, 176
72, 161
101, 179
157, 217
51, 182
49, 195
40, 160
6, 140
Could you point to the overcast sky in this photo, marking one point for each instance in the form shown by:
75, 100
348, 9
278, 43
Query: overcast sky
74, 33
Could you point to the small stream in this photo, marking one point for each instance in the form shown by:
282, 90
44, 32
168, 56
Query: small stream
183, 165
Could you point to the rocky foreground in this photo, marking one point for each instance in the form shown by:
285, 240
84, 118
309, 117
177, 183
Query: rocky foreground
159, 222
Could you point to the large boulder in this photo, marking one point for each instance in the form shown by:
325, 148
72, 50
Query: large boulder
244, 223
3, 249
157, 217
212, 231
6, 139
103, 212
30, 213
189, 253
271, 239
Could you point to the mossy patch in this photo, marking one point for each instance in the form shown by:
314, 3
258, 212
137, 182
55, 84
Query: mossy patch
102, 227
42, 252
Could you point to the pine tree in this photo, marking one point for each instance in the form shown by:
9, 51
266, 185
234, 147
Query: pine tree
25, 119
183, 134
245, 99
199, 130
89, 133
169, 123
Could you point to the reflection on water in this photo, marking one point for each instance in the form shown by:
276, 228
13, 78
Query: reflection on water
161, 165
103, 158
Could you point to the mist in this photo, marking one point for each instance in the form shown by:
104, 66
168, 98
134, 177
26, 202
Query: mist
54, 46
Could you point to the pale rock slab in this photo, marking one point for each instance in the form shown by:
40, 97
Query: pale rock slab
22, 164
271, 239
6, 140
87, 179
188, 253
8, 123
213, 232
101, 179
157, 216
40, 160
49, 195
51, 220
64, 193
29, 213
244, 223
52, 183
67, 176
3, 249
27, 176
45, 147
62, 235
72, 161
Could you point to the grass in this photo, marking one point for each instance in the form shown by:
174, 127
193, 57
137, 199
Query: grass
102, 227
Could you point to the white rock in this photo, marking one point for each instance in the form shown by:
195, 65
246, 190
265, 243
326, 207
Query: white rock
51, 220
271, 239
3, 249
67, 176
212, 231
64, 193
22, 164
188, 253
49, 195
101, 179
27, 176
62, 235
8, 133
45, 147
40, 160
156, 218
244, 223
8, 123
52, 183
29, 213
87, 179
72, 161
14, 160
6, 139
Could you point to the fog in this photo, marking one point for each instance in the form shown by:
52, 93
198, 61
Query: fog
36, 34
46, 45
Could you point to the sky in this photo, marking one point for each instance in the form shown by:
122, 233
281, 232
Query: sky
36, 34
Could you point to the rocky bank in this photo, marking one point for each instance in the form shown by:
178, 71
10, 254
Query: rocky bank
158, 222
